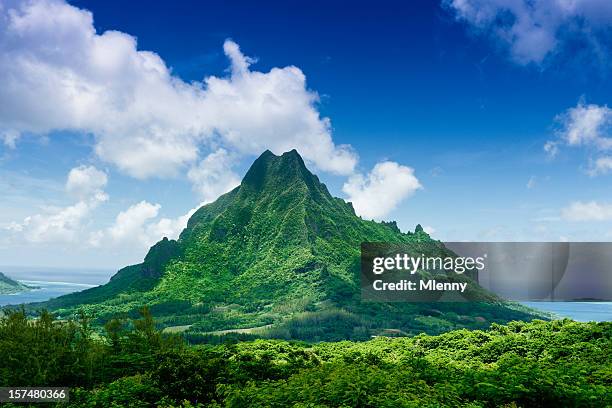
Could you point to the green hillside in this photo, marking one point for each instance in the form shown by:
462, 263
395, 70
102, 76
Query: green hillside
9, 286
278, 256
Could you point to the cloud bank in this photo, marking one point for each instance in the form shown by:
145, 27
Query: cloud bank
66, 224
137, 227
58, 73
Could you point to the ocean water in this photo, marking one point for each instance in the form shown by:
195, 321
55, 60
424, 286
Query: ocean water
579, 311
52, 282
46, 291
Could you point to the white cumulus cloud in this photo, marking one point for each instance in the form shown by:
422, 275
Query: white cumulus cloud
169, 227
534, 30
379, 192
138, 227
85, 181
213, 176
61, 225
129, 223
587, 125
66, 224
58, 73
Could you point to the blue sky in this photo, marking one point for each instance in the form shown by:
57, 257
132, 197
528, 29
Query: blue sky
425, 112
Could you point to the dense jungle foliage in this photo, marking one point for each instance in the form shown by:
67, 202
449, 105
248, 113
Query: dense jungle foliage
132, 364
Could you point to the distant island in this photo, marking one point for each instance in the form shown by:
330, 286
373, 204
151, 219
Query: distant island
9, 286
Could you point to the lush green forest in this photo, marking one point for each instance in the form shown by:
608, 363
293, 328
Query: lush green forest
133, 364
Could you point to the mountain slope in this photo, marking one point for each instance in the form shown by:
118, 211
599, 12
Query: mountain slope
277, 253
9, 286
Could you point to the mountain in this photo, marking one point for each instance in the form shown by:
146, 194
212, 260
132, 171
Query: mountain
9, 286
278, 256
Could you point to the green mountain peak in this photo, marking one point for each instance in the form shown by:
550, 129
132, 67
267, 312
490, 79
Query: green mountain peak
271, 172
277, 256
